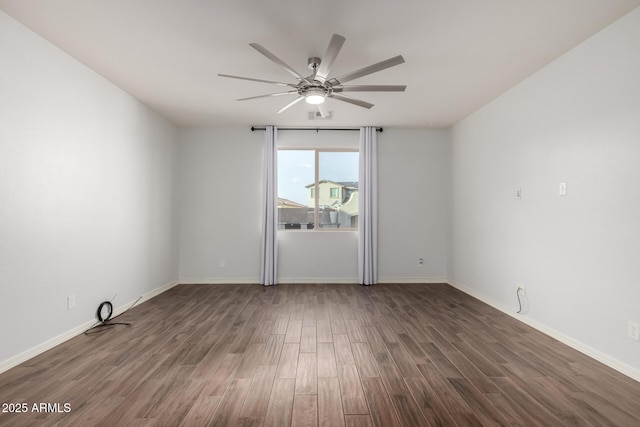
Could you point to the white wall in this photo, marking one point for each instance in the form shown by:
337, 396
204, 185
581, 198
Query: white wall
414, 199
575, 121
220, 196
86, 199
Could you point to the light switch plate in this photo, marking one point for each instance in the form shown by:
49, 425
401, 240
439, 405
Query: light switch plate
562, 189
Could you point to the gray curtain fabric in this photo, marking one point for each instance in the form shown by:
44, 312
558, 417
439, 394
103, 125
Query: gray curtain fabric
368, 207
269, 262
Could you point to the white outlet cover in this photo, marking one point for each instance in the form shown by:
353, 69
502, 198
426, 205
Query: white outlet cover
562, 189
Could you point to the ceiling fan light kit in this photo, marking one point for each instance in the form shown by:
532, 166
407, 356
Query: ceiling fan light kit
315, 88
314, 99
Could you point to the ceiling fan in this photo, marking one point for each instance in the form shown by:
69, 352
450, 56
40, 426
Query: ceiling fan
316, 87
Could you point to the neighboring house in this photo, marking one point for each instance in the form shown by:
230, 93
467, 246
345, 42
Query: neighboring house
337, 207
337, 202
331, 193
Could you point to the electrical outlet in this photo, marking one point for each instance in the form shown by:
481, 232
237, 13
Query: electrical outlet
633, 330
420, 262
223, 263
522, 290
71, 302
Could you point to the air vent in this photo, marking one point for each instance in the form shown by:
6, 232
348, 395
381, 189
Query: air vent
315, 115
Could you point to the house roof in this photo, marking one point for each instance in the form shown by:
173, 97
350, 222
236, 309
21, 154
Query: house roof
286, 203
348, 184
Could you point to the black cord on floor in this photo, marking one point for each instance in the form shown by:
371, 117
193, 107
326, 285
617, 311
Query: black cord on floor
519, 303
103, 324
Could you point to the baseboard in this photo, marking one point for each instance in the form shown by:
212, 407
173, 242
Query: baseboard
604, 358
413, 280
284, 280
323, 280
14, 361
310, 280
219, 281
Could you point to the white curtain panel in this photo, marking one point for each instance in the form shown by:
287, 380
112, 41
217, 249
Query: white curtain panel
368, 207
269, 262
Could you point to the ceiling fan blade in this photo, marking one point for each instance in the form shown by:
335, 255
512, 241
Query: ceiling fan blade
330, 56
322, 108
268, 95
291, 104
256, 80
277, 60
370, 88
350, 100
396, 60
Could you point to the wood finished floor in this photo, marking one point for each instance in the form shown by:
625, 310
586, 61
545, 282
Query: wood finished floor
319, 355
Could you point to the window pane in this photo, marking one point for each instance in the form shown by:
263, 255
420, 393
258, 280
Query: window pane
338, 189
296, 176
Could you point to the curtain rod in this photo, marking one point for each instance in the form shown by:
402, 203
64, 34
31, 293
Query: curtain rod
254, 128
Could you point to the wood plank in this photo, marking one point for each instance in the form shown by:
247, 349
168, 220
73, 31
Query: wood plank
288, 364
323, 327
329, 402
305, 411
221, 379
383, 413
228, 412
408, 411
403, 360
358, 421
201, 411
342, 347
280, 403
294, 331
432, 408
308, 339
364, 360
250, 360
272, 350
309, 316
307, 374
354, 332
281, 324
482, 407
353, 400
257, 399
451, 400
326, 360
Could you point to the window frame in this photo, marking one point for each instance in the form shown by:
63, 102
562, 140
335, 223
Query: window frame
316, 187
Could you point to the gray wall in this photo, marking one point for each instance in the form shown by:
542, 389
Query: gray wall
86, 194
220, 195
576, 121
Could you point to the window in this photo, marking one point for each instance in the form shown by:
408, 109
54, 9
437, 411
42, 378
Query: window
317, 189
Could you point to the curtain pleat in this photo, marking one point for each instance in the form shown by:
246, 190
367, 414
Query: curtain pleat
368, 207
269, 262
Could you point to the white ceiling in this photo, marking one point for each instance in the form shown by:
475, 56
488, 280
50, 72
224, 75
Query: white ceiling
460, 54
